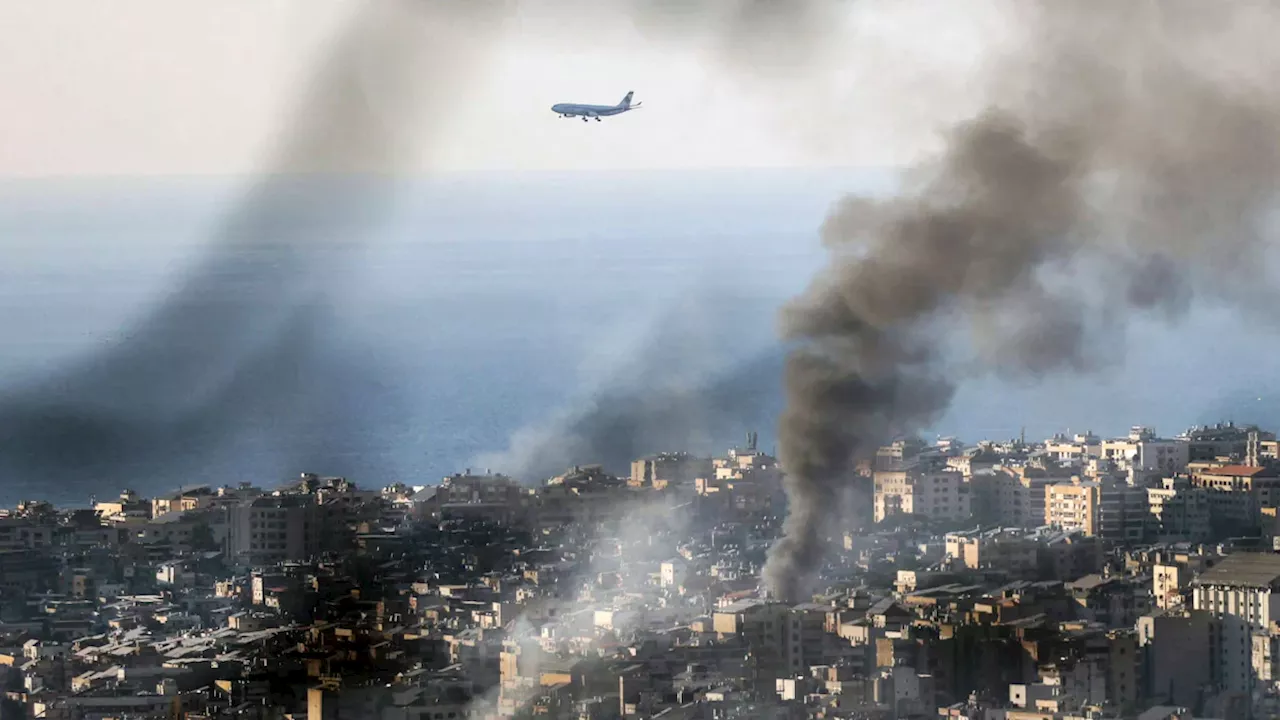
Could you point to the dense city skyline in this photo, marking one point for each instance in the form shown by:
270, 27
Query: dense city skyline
486, 597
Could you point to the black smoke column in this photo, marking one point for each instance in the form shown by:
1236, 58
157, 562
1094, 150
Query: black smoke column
1098, 183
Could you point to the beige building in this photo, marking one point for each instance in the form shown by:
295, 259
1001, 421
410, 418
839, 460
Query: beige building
1073, 449
1167, 583
1143, 454
1237, 493
898, 455
659, 471
1018, 492
1109, 508
1073, 506
1004, 549
1266, 659
193, 498
739, 463
673, 572
128, 506
777, 636
1171, 576
934, 494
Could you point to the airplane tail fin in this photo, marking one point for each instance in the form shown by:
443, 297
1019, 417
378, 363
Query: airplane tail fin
626, 101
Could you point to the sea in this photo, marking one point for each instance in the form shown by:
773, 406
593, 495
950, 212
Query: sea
517, 322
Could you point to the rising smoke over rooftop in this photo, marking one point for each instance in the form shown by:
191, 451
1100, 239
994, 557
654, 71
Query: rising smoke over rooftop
1127, 158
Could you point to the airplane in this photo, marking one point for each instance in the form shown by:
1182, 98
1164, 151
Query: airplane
594, 111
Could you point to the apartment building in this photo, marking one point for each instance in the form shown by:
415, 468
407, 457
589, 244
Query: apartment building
272, 529
1018, 492
1124, 511
1014, 551
782, 641
185, 500
1107, 507
1242, 592
665, 469
1178, 511
938, 494
1222, 441
898, 455
1142, 453
1073, 450
1074, 506
490, 497
18, 533
1237, 493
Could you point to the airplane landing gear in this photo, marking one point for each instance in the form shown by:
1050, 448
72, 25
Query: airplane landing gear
597, 119
584, 119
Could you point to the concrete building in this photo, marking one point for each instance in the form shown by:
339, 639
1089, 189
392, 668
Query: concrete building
766, 629
489, 497
1074, 449
1237, 494
1167, 584
1109, 508
898, 455
1176, 669
18, 533
1221, 442
673, 573
738, 463
1018, 492
1073, 506
662, 470
272, 529
1266, 659
187, 499
1178, 511
1013, 551
1242, 593
128, 506
1123, 511
926, 492
1143, 454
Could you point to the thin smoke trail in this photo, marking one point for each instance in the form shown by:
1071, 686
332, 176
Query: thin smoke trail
242, 342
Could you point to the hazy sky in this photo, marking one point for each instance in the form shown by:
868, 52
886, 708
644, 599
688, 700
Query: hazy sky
196, 87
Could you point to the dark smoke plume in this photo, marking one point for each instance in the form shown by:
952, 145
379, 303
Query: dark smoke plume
1129, 157
241, 347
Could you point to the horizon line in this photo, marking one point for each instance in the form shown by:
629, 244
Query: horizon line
426, 174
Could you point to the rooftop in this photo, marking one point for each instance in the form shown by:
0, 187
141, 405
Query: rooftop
1244, 569
1236, 471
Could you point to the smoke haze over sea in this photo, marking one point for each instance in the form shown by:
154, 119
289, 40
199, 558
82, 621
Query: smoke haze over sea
481, 325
